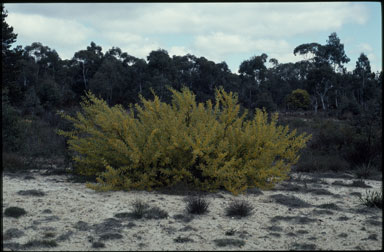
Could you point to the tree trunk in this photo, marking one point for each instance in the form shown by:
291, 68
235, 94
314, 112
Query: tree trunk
315, 105
322, 102
336, 104
84, 79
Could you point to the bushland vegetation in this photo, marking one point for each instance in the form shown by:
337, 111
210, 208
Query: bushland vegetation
341, 109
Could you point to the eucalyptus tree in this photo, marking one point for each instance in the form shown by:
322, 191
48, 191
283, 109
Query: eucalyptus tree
253, 73
161, 70
326, 61
87, 62
40, 65
363, 80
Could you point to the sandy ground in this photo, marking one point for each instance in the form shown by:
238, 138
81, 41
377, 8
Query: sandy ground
328, 217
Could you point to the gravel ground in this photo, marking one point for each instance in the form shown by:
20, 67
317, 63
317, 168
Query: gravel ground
308, 212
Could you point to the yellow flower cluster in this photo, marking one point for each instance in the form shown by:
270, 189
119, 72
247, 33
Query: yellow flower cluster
157, 144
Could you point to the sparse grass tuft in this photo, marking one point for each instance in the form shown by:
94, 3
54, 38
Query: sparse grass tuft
14, 212
363, 171
155, 213
239, 209
372, 199
142, 210
139, 209
197, 205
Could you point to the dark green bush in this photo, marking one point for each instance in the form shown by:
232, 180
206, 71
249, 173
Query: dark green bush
14, 162
13, 128
298, 99
321, 163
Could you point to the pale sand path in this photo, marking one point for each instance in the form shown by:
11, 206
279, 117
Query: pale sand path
351, 227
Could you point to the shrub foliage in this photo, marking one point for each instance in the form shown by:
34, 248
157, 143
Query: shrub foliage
156, 144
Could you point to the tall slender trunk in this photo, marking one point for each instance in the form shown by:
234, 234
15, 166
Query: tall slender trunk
336, 104
84, 79
315, 106
322, 102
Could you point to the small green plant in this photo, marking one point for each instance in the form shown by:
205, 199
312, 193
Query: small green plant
372, 199
197, 205
14, 212
239, 209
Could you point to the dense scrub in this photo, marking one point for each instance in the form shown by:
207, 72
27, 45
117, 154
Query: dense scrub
158, 144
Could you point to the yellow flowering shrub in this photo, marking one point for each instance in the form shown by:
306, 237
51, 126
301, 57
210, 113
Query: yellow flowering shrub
156, 144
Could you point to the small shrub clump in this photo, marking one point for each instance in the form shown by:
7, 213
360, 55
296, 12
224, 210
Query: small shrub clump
239, 209
156, 213
14, 212
197, 205
155, 145
142, 210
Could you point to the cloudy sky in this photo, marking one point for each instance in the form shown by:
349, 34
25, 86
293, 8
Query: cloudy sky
230, 32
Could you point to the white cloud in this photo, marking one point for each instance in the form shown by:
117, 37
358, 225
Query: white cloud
260, 19
220, 45
48, 30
